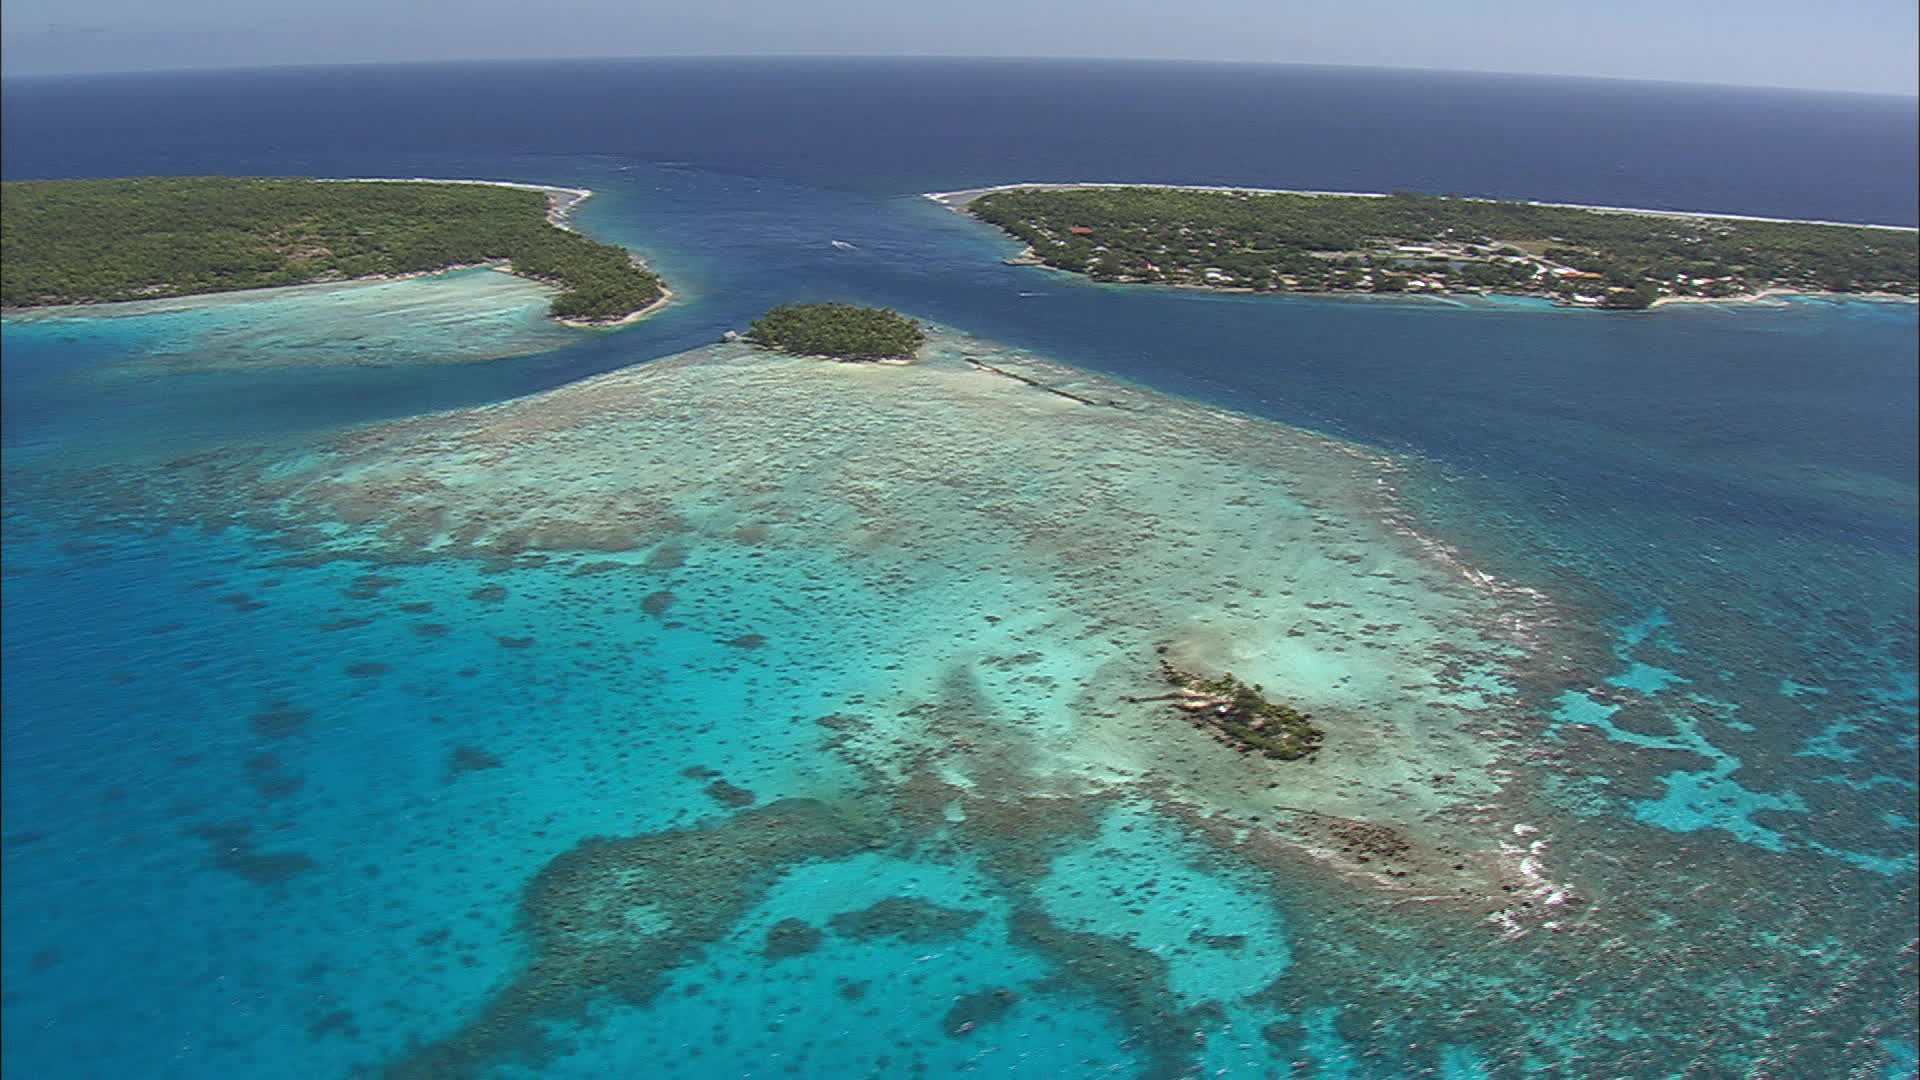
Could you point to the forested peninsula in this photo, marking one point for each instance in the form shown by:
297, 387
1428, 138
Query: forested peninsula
1410, 242
94, 241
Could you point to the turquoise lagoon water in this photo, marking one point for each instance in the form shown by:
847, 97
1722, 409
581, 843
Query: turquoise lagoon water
736, 716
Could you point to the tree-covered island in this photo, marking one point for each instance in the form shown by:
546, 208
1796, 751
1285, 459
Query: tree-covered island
840, 331
93, 241
1408, 242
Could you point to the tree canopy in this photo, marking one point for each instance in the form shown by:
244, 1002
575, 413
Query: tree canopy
1405, 240
89, 241
842, 331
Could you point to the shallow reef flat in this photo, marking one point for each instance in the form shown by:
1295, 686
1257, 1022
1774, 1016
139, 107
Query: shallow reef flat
451, 317
1040, 540
736, 707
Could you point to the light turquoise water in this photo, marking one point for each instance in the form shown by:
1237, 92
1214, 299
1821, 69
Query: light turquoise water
459, 315
499, 740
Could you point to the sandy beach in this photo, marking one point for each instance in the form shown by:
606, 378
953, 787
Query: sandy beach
666, 297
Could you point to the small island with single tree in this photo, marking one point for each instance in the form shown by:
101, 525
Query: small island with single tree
838, 331
1406, 242
143, 238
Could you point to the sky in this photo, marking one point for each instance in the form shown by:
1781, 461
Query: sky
1852, 45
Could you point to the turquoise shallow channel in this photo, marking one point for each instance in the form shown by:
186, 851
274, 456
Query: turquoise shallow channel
399, 685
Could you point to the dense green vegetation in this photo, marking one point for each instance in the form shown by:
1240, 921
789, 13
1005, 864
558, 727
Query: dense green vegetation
1413, 242
842, 331
88, 241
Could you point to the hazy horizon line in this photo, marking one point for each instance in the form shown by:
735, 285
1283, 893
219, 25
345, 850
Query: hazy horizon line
1169, 61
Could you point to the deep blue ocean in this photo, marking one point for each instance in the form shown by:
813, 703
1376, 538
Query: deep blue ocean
274, 813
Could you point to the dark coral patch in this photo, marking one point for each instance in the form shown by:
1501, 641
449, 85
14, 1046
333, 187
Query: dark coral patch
368, 586
980, 1007
729, 794
269, 780
279, 720
687, 886
338, 1022
368, 669
465, 758
1130, 980
791, 937
656, 603
232, 851
908, 918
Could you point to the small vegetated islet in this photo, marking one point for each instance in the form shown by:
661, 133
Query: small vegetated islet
1239, 715
840, 331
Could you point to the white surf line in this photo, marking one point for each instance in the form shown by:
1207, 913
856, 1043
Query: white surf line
948, 198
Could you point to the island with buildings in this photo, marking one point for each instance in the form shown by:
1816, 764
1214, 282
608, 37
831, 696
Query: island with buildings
143, 238
1406, 242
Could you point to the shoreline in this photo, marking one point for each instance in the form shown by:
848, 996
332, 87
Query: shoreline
105, 309
1770, 295
957, 201
561, 203
666, 295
